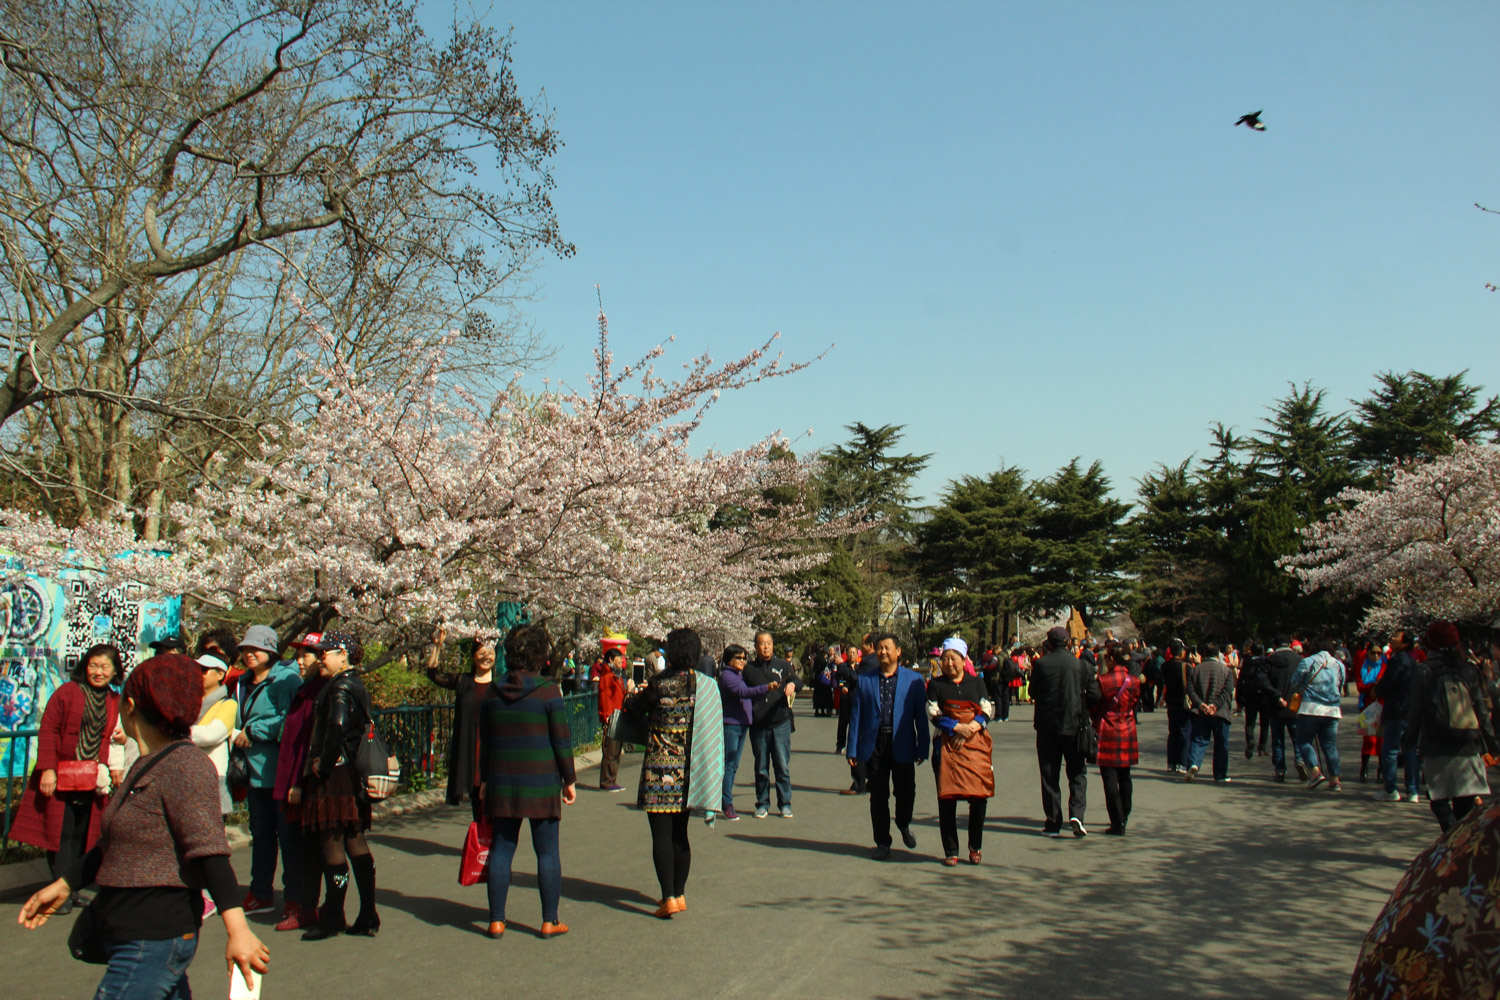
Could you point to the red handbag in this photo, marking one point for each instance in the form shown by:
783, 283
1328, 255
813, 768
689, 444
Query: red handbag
474, 865
77, 775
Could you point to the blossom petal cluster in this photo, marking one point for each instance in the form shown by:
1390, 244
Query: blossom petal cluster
425, 504
1426, 546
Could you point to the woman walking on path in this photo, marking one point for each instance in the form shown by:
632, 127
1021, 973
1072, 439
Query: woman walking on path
1119, 749
1449, 721
1320, 679
673, 777
526, 755
469, 690
64, 803
162, 836
962, 752
335, 803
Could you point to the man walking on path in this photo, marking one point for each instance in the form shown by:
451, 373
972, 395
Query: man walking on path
888, 735
1063, 689
1284, 663
1394, 691
1175, 669
771, 729
1211, 693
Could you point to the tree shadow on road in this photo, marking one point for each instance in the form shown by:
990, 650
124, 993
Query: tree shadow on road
415, 845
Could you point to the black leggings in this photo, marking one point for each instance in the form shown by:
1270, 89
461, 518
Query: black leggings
948, 823
670, 851
1450, 812
1118, 788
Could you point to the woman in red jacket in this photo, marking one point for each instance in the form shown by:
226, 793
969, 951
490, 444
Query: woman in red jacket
1119, 748
62, 815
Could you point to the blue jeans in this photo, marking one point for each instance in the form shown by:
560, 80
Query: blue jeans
548, 863
734, 749
148, 970
1325, 729
1206, 728
1179, 732
1279, 728
268, 830
1390, 751
772, 746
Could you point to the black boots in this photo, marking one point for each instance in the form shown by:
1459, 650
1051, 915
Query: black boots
367, 924
335, 888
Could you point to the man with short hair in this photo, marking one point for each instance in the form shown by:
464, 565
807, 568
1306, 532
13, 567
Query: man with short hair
1284, 661
1394, 691
888, 736
1063, 688
771, 728
1175, 671
1211, 694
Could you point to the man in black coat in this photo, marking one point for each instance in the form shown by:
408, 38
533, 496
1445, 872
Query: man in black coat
1284, 662
1253, 689
859, 660
771, 730
1394, 691
1062, 688
1175, 671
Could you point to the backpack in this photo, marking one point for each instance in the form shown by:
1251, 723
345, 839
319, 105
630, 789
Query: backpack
1450, 706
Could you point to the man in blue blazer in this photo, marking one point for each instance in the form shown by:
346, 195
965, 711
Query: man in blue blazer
888, 735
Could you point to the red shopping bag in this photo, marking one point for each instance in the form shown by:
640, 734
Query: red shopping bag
474, 866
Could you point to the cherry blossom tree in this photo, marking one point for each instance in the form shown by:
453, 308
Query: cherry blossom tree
400, 508
1427, 546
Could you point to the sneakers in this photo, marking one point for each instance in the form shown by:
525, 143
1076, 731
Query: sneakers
1316, 779
1192, 772
1335, 785
1054, 834
1222, 781
1301, 771
1280, 777
1390, 796
907, 837
730, 814
615, 788
1077, 825
881, 852
297, 919
209, 907
786, 812
1414, 797
761, 812
254, 904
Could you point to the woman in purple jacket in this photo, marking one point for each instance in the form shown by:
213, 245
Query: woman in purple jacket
738, 714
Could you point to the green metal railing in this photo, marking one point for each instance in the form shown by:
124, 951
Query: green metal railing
15, 777
419, 735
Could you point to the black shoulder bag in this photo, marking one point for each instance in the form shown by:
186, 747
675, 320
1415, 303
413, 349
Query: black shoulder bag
86, 939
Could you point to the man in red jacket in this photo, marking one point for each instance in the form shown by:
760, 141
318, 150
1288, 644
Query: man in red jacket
611, 697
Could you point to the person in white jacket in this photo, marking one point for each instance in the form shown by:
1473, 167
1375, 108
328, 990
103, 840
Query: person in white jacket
216, 722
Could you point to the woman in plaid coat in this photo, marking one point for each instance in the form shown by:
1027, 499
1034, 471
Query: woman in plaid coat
1114, 718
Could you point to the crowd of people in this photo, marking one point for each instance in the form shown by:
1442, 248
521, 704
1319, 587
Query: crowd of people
285, 731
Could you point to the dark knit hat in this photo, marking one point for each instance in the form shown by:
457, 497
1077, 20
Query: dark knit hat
1057, 635
168, 689
1440, 634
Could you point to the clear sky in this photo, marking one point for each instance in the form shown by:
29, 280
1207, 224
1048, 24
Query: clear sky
1031, 230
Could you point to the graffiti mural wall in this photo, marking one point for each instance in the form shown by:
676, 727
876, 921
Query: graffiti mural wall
45, 627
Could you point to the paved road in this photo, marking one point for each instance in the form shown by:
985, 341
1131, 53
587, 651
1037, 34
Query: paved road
1247, 890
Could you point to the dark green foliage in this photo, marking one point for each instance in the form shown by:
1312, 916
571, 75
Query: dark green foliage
1417, 414
1080, 550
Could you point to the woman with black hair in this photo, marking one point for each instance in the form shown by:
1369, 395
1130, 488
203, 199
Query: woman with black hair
526, 756
66, 796
335, 804
670, 768
469, 690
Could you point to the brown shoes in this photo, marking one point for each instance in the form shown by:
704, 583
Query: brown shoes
671, 905
496, 929
551, 930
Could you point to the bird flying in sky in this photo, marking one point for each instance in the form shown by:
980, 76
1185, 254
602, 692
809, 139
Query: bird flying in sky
1252, 120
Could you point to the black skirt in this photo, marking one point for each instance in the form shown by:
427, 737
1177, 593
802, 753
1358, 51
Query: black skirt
336, 803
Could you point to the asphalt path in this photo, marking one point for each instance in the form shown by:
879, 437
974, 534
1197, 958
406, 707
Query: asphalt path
1250, 889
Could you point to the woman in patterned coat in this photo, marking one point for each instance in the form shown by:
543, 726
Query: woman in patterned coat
668, 699
1114, 718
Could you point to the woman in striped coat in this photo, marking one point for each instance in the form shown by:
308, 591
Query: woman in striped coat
1114, 718
526, 757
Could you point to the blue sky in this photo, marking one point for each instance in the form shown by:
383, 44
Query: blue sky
1030, 229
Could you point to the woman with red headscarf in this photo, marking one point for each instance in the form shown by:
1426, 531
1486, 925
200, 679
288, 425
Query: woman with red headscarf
161, 842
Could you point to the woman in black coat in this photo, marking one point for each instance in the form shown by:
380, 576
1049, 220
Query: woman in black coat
469, 690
